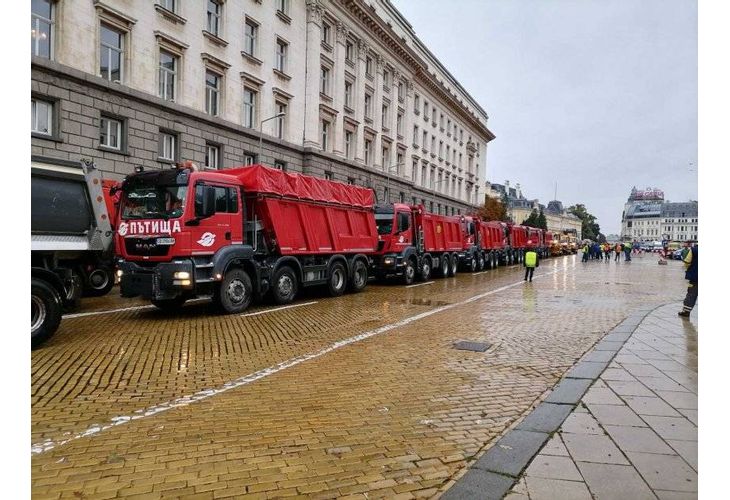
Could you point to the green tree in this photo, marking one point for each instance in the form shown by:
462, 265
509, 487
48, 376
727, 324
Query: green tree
589, 227
532, 219
542, 220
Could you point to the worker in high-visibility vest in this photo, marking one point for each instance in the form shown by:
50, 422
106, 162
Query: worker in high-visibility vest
531, 262
690, 264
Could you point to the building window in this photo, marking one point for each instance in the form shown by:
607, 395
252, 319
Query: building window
433, 144
167, 146
280, 165
386, 158
249, 158
168, 75
41, 28
349, 136
349, 50
402, 197
399, 124
433, 115
441, 121
111, 54
214, 17
386, 78
110, 133
325, 134
41, 117
328, 175
324, 81
250, 36
401, 91
283, 6
326, 32
348, 94
425, 139
414, 172
170, 5
425, 109
368, 106
281, 51
384, 117
399, 163
280, 123
212, 156
415, 135
369, 66
368, 152
212, 93
249, 108
351, 180
416, 103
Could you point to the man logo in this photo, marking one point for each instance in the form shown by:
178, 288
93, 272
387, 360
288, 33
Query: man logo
207, 239
123, 229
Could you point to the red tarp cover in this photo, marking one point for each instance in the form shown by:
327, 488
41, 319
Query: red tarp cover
261, 179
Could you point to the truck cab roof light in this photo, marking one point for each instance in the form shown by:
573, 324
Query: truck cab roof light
139, 168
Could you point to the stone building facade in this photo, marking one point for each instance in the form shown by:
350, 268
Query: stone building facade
359, 98
647, 216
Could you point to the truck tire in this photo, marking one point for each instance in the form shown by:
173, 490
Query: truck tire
425, 273
359, 278
284, 285
453, 269
45, 311
473, 264
495, 261
443, 266
169, 305
481, 262
337, 281
235, 292
98, 282
409, 273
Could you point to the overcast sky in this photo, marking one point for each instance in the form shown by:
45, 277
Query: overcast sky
598, 95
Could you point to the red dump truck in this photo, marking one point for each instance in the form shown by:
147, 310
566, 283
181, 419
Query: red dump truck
412, 243
239, 233
483, 243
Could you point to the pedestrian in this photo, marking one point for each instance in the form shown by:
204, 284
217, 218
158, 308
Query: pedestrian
627, 252
585, 253
607, 252
532, 260
690, 263
617, 251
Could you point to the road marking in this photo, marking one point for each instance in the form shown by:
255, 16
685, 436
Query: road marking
421, 284
111, 311
278, 309
94, 429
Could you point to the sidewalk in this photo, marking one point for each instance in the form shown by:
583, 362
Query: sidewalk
633, 434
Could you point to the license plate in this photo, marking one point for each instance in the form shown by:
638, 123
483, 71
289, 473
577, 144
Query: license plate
165, 241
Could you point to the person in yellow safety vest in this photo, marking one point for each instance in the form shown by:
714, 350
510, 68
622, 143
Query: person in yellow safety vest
531, 262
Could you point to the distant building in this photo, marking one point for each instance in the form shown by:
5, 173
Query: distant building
519, 208
647, 216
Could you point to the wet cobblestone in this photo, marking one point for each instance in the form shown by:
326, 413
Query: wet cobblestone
399, 413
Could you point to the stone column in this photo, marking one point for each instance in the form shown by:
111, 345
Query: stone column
377, 113
362, 51
311, 94
339, 90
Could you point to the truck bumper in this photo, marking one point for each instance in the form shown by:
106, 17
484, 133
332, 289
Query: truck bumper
388, 264
163, 281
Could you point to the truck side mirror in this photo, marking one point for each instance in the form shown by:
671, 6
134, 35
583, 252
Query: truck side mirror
207, 207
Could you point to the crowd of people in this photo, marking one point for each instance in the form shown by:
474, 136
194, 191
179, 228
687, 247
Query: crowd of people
605, 251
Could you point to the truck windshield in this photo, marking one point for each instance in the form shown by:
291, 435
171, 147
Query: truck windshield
154, 202
384, 222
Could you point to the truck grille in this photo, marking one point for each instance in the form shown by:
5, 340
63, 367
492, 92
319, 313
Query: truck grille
145, 247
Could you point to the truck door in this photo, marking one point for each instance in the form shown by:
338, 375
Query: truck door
218, 230
404, 235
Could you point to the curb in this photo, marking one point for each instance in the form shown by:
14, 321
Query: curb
494, 474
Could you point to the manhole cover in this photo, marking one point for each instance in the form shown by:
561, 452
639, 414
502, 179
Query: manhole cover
465, 345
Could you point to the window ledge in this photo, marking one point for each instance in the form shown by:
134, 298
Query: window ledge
325, 97
425, 118
107, 149
350, 63
282, 75
326, 46
53, 138
424, 151
416, 112
401, 98
251, 59
283, 16
441, 129
170, 15
400, 137
349, 110
215, 39
433, 124
433, 155
166, 160
415, 146
369, 76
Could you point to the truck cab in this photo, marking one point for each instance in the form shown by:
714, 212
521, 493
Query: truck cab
396, 239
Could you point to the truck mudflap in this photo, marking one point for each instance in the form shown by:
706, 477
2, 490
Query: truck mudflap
166, 280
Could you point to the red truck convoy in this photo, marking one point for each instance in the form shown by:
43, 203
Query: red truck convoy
484, 244
238, 233
413, 243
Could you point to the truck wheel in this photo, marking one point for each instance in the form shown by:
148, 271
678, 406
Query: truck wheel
425, 270
359, 278
236, 292
409, 273
99, 282
444, 266
480, 263
169, 305
337, 280
454, 265
45, 311
473, 264
284, 286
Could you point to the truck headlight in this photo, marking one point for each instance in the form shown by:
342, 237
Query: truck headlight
388, 261
119, 273
181, 275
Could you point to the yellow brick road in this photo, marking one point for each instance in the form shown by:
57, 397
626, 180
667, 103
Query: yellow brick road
399, 414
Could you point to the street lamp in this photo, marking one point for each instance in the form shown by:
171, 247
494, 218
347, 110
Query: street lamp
387, 177
261, 132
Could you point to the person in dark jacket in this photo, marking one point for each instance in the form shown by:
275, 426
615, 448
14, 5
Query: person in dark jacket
690, 261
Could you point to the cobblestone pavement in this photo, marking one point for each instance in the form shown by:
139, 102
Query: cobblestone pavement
634, 433
362, 395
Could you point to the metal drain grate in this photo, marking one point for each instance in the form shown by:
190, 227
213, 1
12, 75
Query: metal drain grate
465, 345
